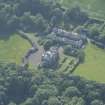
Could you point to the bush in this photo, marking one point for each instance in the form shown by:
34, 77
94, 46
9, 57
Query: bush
68, 50
81, 56
72, 91
49, 43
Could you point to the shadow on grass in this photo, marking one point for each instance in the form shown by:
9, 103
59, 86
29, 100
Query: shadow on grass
5, 35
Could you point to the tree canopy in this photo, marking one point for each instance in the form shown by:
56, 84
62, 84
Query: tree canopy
19, 86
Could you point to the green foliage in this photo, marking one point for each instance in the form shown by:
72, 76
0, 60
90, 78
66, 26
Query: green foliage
76, 101
34, 15
45, 91
43, 87
33, 23
94, 32
29, 101
40, 24
81, 56
11, 103
97, 102
69, 50
57, 17
75, 16
48, 44
72, 91
54, 101
18, 86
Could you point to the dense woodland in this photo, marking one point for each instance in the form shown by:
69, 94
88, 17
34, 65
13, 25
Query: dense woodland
36, 15
20, 86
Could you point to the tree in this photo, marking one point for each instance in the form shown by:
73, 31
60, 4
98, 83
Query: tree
94, 33
97, 102
48, 44
28, 101
33, 23
76, 16
81, 56
68, 49
103, 39
54, 101
92, 95
71, 92
3, 98
12, 103
57, 16
65, 84
41, 24
13, 23
76, 101
45, 91
27, 21
44, 102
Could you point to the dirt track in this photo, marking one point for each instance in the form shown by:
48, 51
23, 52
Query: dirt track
35, 58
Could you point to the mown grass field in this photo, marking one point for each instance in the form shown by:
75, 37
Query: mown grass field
94, 66
13, 48
95, 7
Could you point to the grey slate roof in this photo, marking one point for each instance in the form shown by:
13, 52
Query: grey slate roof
70, 35
71, 38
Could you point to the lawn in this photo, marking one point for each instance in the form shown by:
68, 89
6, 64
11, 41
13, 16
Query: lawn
13, 48
94, 7
94, 65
